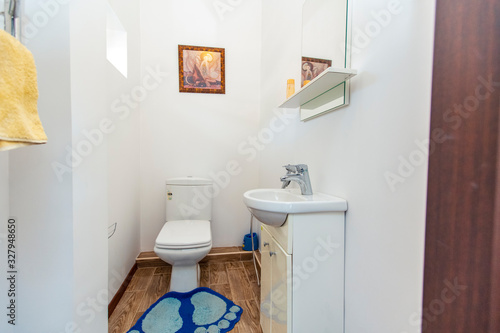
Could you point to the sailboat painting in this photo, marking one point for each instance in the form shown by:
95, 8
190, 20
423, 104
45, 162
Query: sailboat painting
201, 69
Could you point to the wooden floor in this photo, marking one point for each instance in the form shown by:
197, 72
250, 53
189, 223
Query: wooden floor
236, 280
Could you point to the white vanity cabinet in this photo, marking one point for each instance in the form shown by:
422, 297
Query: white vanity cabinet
303, 274
276, 288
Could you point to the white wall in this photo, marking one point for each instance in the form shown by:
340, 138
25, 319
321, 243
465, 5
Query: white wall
63, 215
89, 109
41, 203
349, 151
123, 155
106, 183
198, 134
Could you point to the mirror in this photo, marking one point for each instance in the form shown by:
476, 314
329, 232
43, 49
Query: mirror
325, 36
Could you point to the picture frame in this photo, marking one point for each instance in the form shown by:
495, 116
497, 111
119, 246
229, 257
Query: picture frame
202, 69
312, 67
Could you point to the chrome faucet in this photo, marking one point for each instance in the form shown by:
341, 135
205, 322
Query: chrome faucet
300, 174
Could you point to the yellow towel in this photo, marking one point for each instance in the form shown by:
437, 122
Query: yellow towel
19, 121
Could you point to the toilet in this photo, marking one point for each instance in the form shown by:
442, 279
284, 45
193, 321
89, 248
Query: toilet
186, 236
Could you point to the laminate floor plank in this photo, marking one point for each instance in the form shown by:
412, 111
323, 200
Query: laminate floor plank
222, 257
240, 285
250, 320
205, 275
137, 316
158, 287
163, 270
250, 270
234, 265
223, 289
123, 316
218, 274
141, 278
256, 291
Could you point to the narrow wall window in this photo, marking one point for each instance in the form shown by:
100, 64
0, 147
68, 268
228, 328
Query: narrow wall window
116, 42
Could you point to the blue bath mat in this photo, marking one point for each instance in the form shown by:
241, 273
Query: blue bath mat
201, 310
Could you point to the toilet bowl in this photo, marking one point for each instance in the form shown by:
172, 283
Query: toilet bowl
186, 236
183, 244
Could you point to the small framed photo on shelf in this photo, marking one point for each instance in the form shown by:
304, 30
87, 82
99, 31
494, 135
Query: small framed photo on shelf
201, 69
312, 67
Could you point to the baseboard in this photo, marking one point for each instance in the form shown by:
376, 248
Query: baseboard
114, 302
258, 260
219, 254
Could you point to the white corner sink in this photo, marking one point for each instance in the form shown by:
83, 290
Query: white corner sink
272, 206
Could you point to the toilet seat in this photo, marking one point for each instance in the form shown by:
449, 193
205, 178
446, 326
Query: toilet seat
184, 234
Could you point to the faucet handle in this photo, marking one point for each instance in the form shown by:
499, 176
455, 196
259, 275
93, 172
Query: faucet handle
301, 168
290, 168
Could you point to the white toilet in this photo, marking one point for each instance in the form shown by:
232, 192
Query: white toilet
186, 237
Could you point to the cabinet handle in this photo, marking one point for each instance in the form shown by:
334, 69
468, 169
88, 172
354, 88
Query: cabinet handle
272, 254
266, 244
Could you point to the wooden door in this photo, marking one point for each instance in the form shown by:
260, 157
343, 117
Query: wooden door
462, 250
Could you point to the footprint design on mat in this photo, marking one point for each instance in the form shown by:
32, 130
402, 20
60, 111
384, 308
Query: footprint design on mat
201, 310
163, 318
216, 315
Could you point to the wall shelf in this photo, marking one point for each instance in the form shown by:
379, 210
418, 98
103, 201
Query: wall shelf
324, 93
327, 80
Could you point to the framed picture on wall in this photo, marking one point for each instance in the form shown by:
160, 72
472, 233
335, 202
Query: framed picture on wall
201, 69
312, 67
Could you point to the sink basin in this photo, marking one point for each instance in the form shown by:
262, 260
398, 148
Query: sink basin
272, 206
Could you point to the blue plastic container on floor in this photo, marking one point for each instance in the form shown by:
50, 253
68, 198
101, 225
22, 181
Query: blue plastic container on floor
247, 242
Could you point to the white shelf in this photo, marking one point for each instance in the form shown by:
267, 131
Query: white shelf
324, 82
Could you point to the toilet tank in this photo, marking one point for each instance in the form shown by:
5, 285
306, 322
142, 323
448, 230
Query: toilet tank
189, 198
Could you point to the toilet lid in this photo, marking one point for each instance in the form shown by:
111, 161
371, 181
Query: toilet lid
184, 234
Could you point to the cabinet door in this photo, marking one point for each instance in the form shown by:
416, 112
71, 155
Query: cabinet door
281, 265
265, 282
